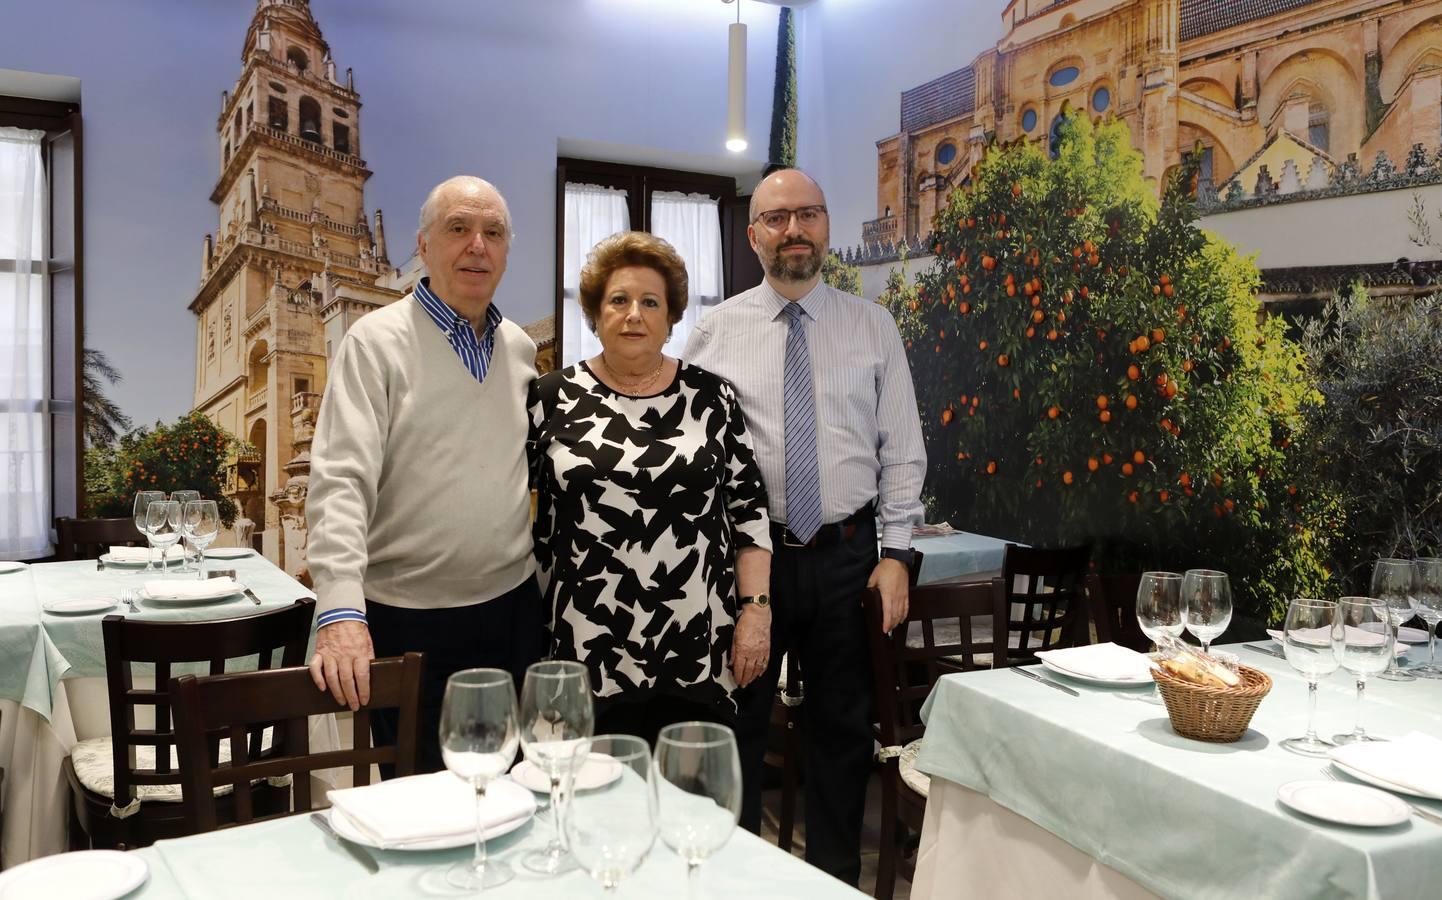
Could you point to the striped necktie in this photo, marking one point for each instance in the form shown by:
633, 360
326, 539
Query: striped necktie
803, 474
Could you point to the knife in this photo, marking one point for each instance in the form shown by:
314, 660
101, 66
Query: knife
253, 598
1026, 673
357, 853
1267, 650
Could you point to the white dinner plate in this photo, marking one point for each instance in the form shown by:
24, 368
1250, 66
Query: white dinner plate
348, 830
6, 567
135, 563
599, 770
1400, 646
79, 606
229, 553
1380, 782
1092, 679
82, 875
1346, 804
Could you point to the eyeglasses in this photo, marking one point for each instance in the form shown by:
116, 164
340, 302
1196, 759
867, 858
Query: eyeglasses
777, 219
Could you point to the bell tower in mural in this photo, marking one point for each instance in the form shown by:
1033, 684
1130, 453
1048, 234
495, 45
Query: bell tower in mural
295, 260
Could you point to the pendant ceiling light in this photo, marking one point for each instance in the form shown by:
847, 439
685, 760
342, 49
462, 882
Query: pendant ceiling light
736, 85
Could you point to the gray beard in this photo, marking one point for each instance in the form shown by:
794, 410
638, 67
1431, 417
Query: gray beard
783, 269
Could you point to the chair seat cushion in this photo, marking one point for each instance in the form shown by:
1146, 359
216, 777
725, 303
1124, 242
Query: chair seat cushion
93, 761
911, 776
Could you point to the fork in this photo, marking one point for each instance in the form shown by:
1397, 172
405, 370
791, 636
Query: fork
1416, 810
127, 597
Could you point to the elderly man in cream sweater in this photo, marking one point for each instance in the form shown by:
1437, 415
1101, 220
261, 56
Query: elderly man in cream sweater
419, 504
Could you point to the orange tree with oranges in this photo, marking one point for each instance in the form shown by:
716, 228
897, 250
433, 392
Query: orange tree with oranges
188, 454
1092, 367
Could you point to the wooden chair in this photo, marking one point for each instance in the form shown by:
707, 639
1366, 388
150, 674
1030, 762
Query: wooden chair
241, 705
126, 788
1045, 598
89, 538
905, 666
1113, 602
784, 746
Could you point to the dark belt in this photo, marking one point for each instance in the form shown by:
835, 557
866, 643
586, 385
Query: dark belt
826, 536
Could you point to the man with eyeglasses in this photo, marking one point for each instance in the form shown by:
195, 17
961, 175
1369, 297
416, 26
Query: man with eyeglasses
827, 394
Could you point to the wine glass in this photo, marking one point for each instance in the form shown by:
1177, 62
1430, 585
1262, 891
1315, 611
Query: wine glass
201, 520
184, 497
699, 783
478, 743
1366, 647
1394, 582
556, 719
1311, 639
162, 521
610, 829
1429, 608
1207, 600
1159, 604
143, 499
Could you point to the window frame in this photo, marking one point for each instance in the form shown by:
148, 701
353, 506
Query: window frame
59, 119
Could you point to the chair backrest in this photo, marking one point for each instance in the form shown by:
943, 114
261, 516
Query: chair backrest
1045, 595
939, 636
89, 538
236, 706
166, 644
1113, 602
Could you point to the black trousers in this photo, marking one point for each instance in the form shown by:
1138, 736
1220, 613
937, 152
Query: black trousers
506, 632
817, 614
646, 717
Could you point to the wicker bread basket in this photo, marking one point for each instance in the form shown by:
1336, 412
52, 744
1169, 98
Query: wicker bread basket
1219, 715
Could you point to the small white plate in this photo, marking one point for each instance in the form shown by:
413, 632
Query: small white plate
599, 770
79, 606
6, 567
229, 553
346, 829
1346, 804
135, 563
82, 875
1380, 782
1092, 679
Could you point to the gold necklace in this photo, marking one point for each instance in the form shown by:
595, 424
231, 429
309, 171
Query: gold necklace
637, 387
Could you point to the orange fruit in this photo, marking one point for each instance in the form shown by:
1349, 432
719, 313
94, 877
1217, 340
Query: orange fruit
1185, 480
1016, 393
946, 416
1127, 469
1051, 335
1168, 291
1030, 332
1052, 412
1163, 496
1156, 290
1158, 335
1162, 380
991, 468
1217, 479
1102, 401
1143, 344
1139, 457
1106, 459
1133, 373
1105, 415
1003, 361
1131, 401
964, 308
1066, 478
1011, 290
1228, 505
1171, 390
1035, 301
1037, 315
1165, 279
981, 345
1132, 496
1092, 464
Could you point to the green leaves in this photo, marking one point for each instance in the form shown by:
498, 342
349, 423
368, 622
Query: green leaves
189, 454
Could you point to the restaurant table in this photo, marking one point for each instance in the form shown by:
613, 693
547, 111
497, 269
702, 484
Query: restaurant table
960, 556
290, 858
1037, 792
52, 679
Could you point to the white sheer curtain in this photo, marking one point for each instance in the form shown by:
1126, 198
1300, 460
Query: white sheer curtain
592, 213
24, 429
692, 223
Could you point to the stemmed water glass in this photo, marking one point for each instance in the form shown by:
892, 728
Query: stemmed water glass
1429, 608
143, 499
184, 497
1159, 605
1394, 582
610, 830
1207, 599
1366, 647
1311, 639
478, 736
557, 718
162, 522
201, 520
699, 783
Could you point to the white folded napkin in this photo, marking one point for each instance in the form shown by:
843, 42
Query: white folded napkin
422, 808
1410, 761
139, 554
1107, 660
188, 589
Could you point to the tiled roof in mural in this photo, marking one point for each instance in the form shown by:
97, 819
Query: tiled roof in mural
1202, 17
951, 95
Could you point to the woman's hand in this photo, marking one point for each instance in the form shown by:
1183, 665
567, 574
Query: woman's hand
751, 644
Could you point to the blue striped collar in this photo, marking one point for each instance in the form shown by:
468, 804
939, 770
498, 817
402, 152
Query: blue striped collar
448, 320
811, 304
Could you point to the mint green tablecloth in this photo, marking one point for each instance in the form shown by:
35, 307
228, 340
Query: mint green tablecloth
957, 555
38, 648
290, 858
1106, 773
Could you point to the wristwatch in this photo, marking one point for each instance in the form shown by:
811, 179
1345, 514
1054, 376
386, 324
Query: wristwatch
902, 556
762, 601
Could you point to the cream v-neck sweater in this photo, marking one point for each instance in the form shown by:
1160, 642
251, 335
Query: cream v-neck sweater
418, 481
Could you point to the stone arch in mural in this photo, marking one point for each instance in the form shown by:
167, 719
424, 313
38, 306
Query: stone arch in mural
1224, 163
1420, 46
1328, 81
257, 369
1212, 90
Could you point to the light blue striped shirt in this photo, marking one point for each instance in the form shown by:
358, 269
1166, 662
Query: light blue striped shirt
868, 431
475, 354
